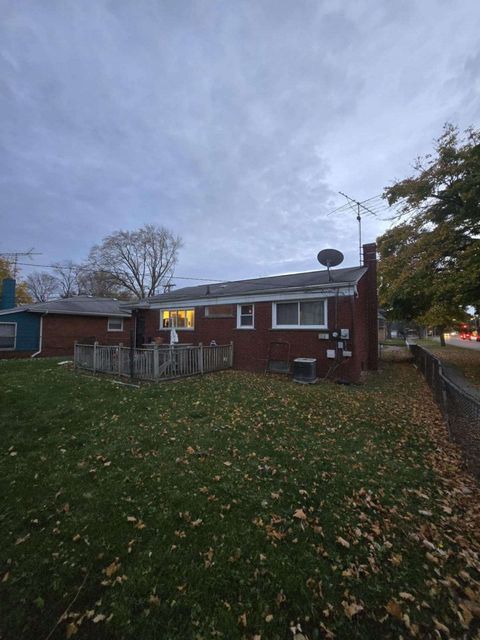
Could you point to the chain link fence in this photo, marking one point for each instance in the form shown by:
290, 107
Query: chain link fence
460, 406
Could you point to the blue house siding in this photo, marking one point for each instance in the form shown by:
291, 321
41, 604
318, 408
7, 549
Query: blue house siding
28, 330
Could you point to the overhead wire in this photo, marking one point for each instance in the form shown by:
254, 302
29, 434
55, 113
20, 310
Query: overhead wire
89, 270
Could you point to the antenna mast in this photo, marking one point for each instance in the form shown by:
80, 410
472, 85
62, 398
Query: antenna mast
16, 254
360, 205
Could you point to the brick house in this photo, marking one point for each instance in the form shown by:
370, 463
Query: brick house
51, 328
330, 316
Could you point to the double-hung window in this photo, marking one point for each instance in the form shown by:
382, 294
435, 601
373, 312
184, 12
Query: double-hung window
8, 334
307, 314
177, 319
245, 316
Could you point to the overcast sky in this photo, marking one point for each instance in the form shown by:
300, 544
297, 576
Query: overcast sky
233, 123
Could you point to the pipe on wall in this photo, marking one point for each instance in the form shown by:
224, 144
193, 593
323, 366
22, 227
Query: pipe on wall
40, 337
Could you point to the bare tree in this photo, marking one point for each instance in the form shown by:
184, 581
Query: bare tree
140, 261
42, 286
100, 284
67, 278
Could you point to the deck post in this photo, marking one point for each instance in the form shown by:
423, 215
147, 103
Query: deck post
200, 357
231, 354
155, 362
75, 354
95, 344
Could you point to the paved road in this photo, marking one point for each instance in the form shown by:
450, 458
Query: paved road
466, 344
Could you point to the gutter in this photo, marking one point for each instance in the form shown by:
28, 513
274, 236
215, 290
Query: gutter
40, 337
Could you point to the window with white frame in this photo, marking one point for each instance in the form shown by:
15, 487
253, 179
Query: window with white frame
245, 316
177, 319
115, 324
307, 314
8, 334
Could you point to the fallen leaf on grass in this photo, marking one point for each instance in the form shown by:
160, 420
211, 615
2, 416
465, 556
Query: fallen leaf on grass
71, 629
112, 568
243, 619
351, 609
343, 542
394, 609
300, 514
99, 618
269, 618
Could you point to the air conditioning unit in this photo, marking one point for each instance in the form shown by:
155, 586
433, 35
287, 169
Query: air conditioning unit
305, 370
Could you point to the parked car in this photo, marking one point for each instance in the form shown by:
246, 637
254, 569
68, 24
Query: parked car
474, 336
465, 335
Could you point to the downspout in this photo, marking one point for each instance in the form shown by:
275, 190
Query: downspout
40, 337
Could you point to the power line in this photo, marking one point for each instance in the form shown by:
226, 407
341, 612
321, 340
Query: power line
86, 269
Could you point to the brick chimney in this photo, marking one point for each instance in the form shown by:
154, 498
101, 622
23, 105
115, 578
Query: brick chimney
370, 261
7, 299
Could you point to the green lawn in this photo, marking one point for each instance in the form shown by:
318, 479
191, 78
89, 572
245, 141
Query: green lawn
231, 506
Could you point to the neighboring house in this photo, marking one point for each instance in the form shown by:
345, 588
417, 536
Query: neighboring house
51, 328
328, 316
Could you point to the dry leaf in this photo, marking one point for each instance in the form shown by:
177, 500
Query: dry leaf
99, 617
394, 609
269, 618
111, 569
351, 609
300, 514
71, 629
343, 542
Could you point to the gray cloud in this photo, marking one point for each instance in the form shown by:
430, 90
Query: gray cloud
233, 123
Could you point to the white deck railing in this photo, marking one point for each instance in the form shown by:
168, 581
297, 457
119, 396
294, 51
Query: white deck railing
155, 363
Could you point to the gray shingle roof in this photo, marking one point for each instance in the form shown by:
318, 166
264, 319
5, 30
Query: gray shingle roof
349, 275
78, 305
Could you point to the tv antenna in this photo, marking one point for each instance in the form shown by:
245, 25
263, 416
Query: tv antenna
14, 255
330, 258
358, 208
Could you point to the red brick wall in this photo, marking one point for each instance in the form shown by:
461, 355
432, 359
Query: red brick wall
251, 346
61, 331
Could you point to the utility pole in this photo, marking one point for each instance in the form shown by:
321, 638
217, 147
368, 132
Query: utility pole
359, 205
14, 255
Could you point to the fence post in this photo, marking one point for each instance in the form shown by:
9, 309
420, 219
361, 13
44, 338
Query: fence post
131, 354
95, 356
231, 354
75, 355
120, 359
200, 357
155, 362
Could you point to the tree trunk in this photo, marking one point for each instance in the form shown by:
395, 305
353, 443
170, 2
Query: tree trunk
442, 336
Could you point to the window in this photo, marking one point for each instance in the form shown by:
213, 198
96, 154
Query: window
219, 311
115, 324
8, 334
245, 316
295, 315
177, 318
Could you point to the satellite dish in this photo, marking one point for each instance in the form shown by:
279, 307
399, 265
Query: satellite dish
330, 257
